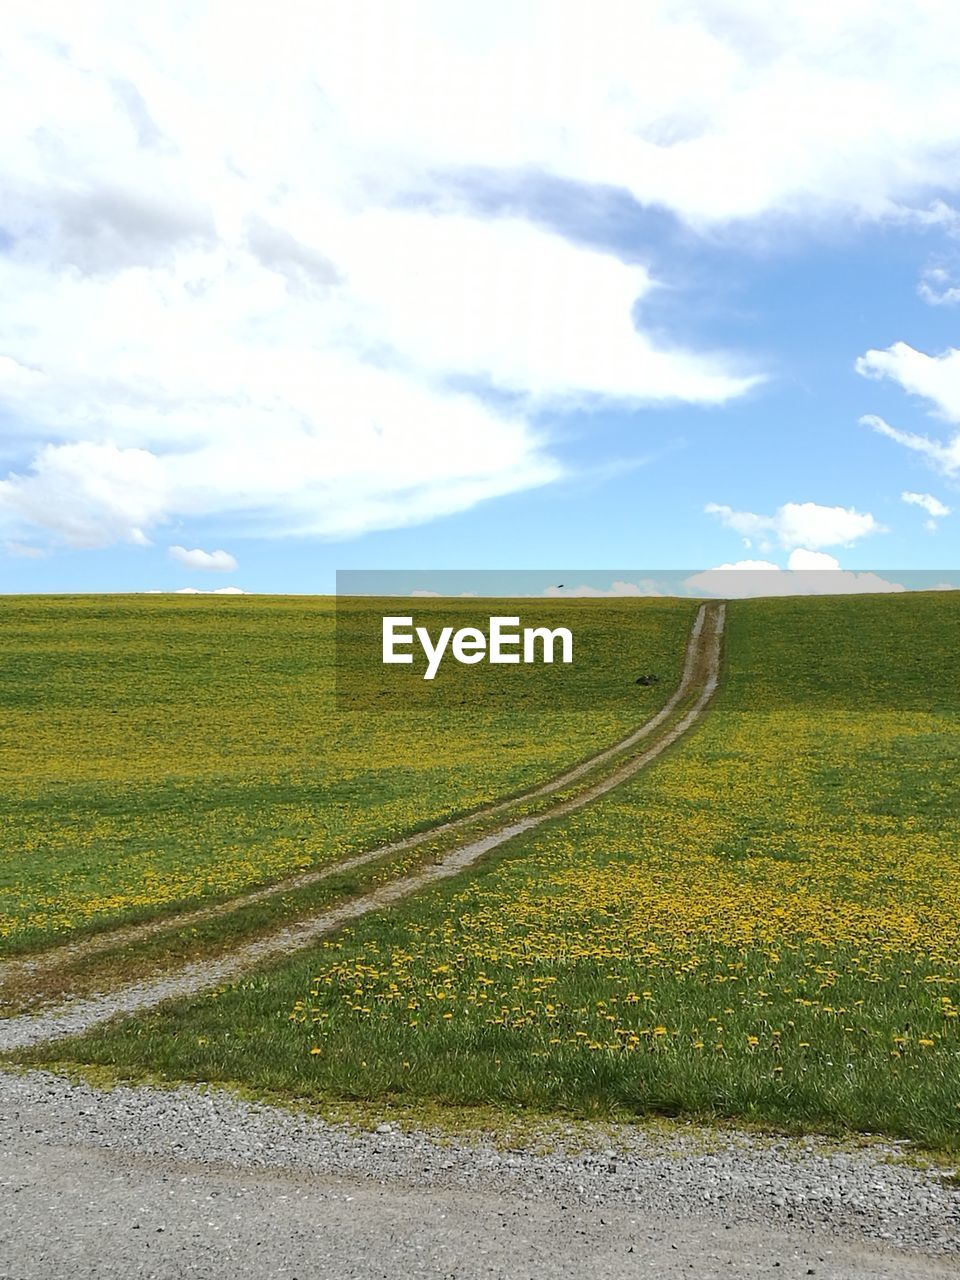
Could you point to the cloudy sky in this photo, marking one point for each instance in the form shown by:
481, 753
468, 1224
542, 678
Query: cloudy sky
300, 287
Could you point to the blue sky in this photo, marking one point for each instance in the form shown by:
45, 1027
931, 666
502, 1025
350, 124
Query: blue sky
683, 293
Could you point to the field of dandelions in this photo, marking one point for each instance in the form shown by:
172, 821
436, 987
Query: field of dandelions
160, 751
765, 925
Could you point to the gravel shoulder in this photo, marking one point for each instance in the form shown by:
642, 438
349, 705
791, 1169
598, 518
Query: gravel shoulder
166, 1183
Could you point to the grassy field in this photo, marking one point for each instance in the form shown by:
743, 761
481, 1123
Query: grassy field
763, 926
160, 751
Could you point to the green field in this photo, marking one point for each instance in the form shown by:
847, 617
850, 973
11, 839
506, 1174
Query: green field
763, 926
156, 752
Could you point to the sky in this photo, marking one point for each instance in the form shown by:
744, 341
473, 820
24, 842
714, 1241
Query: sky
427, 284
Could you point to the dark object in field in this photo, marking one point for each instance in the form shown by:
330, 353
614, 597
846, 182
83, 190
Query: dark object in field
645, 680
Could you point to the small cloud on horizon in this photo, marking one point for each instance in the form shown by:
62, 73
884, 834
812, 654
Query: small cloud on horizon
798, 524
219, 561
935, 509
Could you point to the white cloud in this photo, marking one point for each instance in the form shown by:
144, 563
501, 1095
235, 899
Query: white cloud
798, 524
937, 287
281, 199
934, 378
198, 591
219, 561
745, 566
945, 458
302, 316
938, 214
524, 309
356, 449
934, 508
803, 560
714, 110
90, 494
807, 573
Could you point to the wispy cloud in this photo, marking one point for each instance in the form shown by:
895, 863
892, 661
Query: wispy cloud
938, 287
24, 551
933, 506
935, 509
944, 457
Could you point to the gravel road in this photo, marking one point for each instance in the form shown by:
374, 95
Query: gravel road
139, 1182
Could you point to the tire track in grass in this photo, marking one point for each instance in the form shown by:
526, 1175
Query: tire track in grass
700, 677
